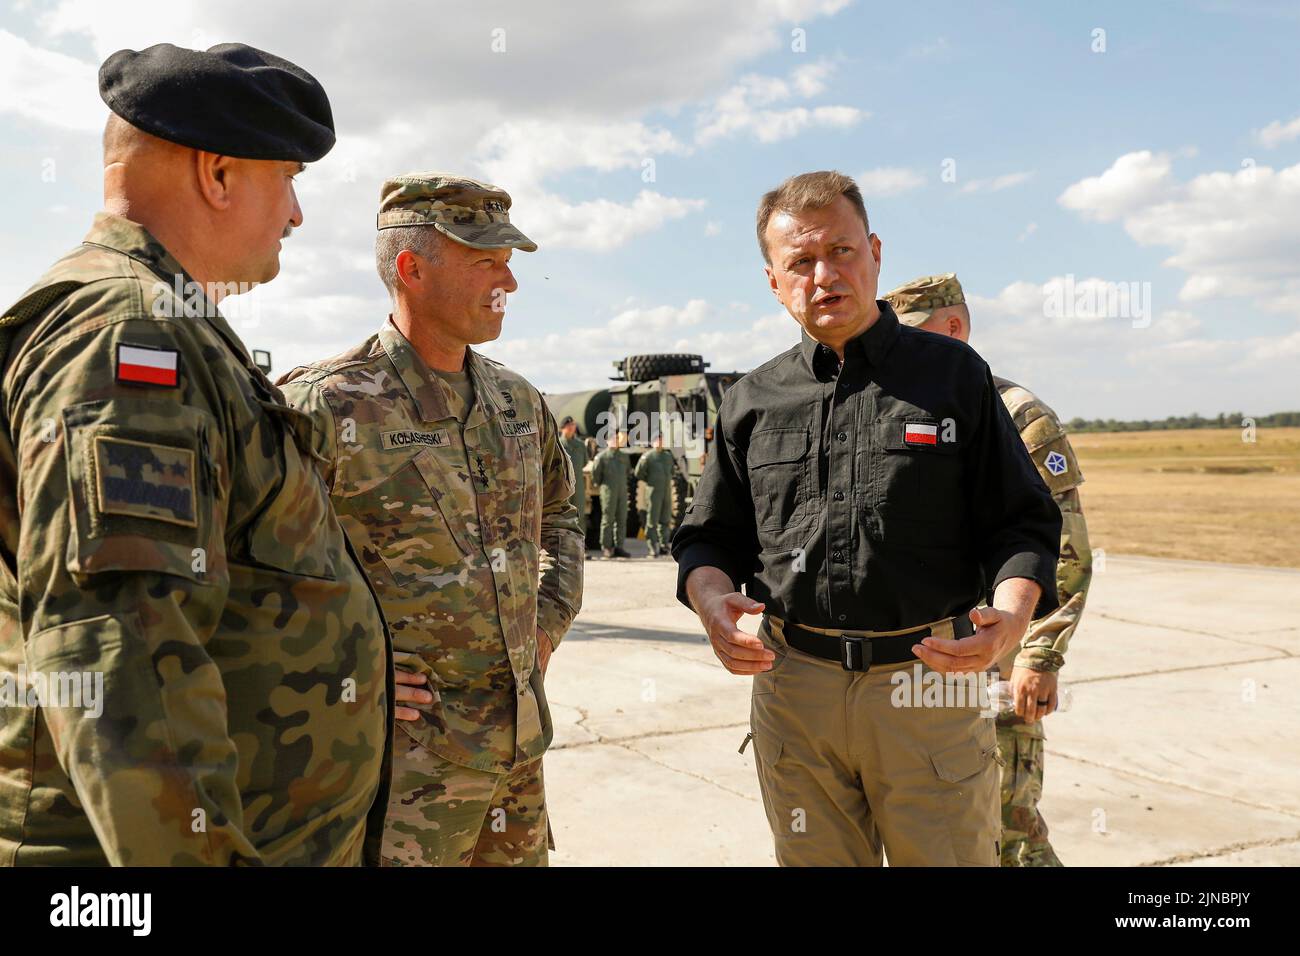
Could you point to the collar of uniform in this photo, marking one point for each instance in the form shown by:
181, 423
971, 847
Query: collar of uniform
872, 345
134, 240
427, 390
487, 389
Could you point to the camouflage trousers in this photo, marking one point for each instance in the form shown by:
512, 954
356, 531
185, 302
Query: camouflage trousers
657, 516
613, 516
1024, 831
442, 814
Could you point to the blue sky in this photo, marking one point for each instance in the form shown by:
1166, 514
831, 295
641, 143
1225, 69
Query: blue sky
1170, 159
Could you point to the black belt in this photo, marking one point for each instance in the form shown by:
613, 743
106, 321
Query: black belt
859, 653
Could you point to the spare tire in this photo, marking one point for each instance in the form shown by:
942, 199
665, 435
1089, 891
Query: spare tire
638, 368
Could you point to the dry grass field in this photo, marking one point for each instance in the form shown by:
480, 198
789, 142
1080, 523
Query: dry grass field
1202, 494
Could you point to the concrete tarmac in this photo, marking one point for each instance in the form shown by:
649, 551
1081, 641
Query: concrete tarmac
1181, 747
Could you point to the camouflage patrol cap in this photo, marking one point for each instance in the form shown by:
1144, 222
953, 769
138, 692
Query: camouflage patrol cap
915, 301
472, 213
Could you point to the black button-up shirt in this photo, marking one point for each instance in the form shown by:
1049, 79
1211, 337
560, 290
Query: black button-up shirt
886, 492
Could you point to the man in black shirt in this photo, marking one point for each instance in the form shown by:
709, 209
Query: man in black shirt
868, 491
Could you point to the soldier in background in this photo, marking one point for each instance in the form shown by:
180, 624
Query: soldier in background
577, 449
937, 304
609, 472
162, 525
656, 469
447, 473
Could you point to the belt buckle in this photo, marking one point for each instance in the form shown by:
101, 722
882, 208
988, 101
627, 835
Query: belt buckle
855, 653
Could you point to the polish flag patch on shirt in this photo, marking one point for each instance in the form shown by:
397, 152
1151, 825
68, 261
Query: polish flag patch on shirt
915, 433
138, 365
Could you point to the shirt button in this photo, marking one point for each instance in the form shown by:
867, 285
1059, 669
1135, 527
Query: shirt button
844, 617
843, 436
839, 496
837, 555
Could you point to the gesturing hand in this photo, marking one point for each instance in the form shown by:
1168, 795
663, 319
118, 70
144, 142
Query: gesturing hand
740, 653
995, 632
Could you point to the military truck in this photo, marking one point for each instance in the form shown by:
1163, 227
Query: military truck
663, 393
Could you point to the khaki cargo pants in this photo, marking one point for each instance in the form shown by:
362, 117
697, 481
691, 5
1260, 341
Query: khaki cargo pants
443, 814
846, 774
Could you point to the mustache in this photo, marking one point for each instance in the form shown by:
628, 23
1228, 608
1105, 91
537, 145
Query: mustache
288, 231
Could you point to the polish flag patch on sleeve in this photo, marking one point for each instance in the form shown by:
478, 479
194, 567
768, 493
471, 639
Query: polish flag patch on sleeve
141, 365
915, 433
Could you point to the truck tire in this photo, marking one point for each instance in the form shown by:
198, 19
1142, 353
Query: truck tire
680, 491
633, 516
639, 368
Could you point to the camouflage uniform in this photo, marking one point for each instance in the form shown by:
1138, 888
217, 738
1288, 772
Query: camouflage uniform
162, 522
1020, 745
577, 449
656, 469
1024, 832
464, 521
609, 471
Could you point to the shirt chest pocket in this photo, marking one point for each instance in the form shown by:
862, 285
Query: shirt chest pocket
917, 473
296, 530
777, 460
409, 523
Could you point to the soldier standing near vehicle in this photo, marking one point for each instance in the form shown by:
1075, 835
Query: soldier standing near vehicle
609, 472
656, 469
937, 304
577, 449
162, 522
447, 473
869, 491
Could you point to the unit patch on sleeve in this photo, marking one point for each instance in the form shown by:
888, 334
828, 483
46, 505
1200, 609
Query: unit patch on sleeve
145, 480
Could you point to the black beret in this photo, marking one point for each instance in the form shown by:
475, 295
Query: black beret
232, 99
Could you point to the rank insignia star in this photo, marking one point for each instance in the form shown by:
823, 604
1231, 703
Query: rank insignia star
1056, 463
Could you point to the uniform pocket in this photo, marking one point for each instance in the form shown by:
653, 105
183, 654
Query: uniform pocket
917, 484
777, 460
970, 804
530, 506
296, 531
143, 489
399, 524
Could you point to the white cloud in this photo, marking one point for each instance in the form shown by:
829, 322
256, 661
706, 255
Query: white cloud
1096, 367
997, 183
888, 181
1134, 180
597, 58
602, 224
1029, 230
1276, 133
49, 87
745, 108
1233, 233
528, 150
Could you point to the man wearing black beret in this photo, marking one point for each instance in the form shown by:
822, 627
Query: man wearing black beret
206, 675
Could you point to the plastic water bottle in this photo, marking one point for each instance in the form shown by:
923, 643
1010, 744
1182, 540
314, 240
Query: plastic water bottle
1003, 700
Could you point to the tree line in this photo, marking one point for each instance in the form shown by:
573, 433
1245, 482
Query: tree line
1222, 420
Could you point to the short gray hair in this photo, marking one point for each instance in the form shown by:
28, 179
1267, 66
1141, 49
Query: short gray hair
422, 240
